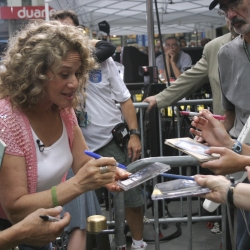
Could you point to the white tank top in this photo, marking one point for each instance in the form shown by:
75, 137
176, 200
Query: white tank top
53, 162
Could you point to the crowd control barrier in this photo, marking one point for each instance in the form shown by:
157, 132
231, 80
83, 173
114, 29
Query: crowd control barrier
179, 162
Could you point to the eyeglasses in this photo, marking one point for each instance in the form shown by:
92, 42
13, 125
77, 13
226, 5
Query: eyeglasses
174, 45
233, 6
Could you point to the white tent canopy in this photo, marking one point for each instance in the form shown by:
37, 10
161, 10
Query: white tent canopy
127, 17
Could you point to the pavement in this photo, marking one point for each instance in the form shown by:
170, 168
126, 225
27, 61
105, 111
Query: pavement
175, 236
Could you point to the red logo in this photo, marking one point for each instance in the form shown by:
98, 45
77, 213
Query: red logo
24, 12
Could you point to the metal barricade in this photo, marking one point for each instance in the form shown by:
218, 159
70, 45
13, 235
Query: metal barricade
173, 161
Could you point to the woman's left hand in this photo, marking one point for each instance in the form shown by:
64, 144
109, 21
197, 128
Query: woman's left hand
120, 174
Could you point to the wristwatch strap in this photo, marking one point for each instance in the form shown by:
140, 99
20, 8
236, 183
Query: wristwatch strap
134, 132
230, 192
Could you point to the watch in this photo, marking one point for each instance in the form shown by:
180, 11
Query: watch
230, 192
134, 132
237, 147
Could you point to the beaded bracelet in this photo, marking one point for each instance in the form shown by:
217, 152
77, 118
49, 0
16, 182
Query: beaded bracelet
54, 196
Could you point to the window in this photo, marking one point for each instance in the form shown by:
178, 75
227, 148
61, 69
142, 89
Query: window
3, 2
26, 3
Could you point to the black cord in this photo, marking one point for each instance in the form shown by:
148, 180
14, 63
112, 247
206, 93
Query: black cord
174, 235
164, 58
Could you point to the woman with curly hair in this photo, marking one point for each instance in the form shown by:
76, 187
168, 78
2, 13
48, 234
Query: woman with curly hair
46, 64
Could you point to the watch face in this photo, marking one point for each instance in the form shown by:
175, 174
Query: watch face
237, 147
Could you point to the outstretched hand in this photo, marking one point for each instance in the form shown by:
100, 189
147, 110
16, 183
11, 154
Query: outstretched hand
38, 232
228, 163
211, 130
218, 184
152, 102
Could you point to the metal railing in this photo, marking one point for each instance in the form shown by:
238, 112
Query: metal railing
173, 161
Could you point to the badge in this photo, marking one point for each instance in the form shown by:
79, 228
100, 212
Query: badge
82, 118
95, 76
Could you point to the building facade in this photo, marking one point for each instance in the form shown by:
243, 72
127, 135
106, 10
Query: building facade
15, 13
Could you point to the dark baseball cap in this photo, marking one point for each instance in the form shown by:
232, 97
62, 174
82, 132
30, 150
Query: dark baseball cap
213, 4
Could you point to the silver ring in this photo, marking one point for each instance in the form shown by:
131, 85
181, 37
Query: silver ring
200, 134
104, 170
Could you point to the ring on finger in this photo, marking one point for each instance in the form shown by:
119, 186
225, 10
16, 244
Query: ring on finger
200, 134
104, 169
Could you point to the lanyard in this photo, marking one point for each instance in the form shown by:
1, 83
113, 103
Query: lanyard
246, 50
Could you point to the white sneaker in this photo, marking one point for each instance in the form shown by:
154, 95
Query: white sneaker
216, 228
142, 247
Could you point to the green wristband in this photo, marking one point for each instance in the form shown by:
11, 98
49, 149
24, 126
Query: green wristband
54, 196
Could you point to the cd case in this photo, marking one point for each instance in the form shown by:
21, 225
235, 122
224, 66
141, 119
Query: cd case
143, 175
192, 147
177, 188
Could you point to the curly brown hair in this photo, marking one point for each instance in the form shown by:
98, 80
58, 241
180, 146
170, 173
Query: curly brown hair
39, 47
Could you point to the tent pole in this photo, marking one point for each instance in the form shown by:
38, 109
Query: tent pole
46, 5
150, 28
151, 60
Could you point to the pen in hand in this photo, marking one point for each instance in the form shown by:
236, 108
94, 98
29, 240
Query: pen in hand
96, 156
49, 218
218, 117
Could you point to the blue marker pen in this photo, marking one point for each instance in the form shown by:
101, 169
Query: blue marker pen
96, 156
176, 176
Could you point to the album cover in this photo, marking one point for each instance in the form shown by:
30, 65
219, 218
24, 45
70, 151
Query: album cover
177, 188
143, 175
192, 147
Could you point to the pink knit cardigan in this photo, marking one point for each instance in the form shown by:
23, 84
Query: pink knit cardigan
15, 131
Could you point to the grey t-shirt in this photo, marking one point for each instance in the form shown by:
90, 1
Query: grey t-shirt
184, 60
234, 74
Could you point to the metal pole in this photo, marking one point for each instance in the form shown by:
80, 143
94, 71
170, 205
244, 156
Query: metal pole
120, 239
160, 132
150, 27
46, 5
177, 220
189, 214
142, 133
151, 60
223, 227
156, 221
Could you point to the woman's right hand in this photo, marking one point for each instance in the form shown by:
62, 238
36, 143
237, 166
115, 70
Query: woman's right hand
228, 163
89, 176
218, 184
36, 232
